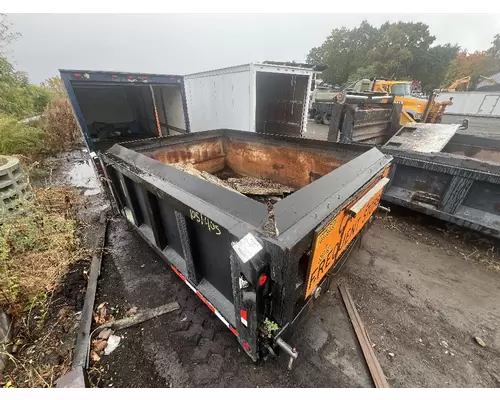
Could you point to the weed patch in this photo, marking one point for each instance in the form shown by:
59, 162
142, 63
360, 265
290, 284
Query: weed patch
39, 249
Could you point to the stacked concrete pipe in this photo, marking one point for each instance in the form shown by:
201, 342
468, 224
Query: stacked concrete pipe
12, 182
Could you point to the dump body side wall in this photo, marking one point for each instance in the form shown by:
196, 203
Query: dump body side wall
461, 190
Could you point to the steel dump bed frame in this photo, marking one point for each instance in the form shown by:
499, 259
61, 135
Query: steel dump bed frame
258, 282
436, 170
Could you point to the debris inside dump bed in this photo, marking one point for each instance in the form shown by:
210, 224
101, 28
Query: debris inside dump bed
257, 186
263, 190
247, 185
190, 169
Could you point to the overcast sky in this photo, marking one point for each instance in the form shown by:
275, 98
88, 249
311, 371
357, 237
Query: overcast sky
180, 44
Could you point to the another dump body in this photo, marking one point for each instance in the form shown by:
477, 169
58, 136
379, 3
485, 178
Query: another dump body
254, 263
112, 107
436, 170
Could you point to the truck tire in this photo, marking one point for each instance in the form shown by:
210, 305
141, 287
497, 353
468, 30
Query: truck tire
318, 118
327, 118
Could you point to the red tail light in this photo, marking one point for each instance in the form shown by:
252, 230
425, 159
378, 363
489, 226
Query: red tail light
262, 279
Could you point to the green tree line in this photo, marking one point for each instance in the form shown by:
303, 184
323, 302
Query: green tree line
399, 50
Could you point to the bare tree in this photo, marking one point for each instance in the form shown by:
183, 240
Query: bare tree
6, 34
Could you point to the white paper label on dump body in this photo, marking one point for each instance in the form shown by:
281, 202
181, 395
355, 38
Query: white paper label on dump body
247, 247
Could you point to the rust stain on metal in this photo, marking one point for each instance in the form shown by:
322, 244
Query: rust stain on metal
259, 159
205, 156
291, 166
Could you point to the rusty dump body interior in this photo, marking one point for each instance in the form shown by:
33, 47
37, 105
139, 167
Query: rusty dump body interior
194, 223
289, 165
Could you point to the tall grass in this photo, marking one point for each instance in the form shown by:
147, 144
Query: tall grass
59, 124
38, 243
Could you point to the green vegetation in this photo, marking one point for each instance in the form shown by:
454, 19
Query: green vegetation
38, 239
400, 50
38, 245
19, 138
56, 128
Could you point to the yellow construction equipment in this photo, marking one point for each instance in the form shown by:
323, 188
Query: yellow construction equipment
415, 109
464, 84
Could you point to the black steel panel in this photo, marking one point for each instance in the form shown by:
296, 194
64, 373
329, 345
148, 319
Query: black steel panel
484, 196
170, 225
210, 251
335, 187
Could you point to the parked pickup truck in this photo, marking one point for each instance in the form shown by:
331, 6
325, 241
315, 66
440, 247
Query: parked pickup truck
258, 262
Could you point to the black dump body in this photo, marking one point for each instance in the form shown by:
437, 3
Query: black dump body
252, 262
113, 107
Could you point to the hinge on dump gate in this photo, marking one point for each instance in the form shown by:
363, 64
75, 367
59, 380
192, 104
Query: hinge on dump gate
291, 351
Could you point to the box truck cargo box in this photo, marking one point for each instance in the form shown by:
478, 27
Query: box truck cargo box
265, 98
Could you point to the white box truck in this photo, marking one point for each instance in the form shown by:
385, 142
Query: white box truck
268, 97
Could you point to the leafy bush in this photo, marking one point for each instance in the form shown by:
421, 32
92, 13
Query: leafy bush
19, 138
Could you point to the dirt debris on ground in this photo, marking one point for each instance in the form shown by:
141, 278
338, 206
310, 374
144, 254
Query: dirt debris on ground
411, 294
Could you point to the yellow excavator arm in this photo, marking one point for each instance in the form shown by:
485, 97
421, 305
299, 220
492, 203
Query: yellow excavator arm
466, 80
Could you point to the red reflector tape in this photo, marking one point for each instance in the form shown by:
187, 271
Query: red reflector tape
262, 279
178, 273
244, 315
245, 346
235, 332
207, 303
